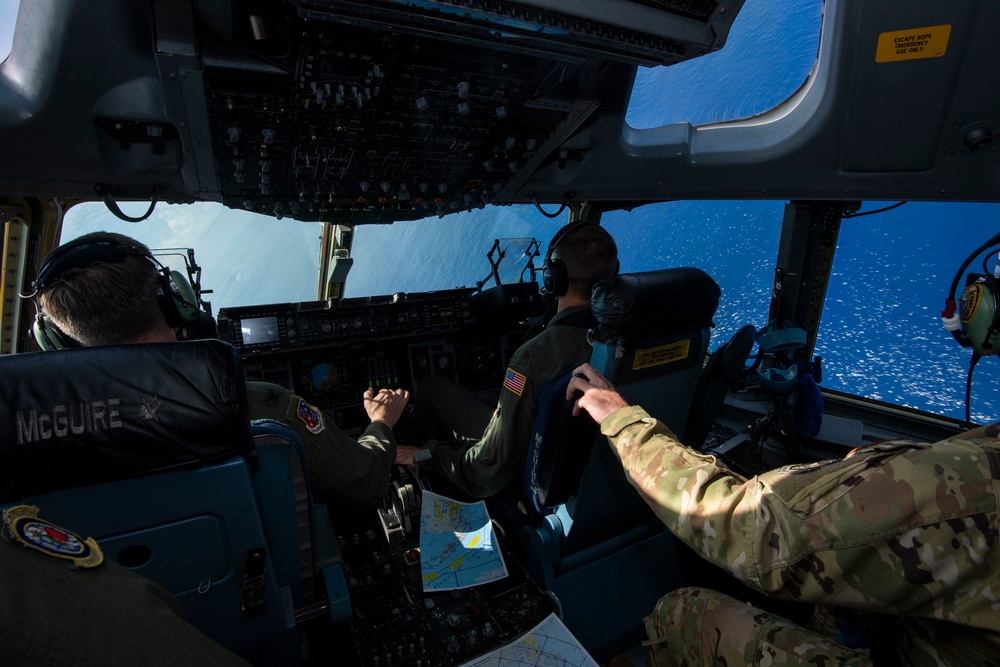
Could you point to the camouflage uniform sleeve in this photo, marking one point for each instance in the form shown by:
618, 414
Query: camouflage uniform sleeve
484, 468
701, 501
895, 527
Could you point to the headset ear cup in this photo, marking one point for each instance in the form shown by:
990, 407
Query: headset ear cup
184, 297
180, 308
48, 336
559, 277
168, 302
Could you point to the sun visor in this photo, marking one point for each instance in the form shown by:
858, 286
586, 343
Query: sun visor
82, 416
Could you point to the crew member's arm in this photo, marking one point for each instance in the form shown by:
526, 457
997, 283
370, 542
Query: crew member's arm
484, 468
342, 470
703, 503
895, 527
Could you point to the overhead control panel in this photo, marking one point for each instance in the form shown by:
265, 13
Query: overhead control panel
367, 111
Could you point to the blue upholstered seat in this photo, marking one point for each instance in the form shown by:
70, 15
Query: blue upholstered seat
592, 540
148, 449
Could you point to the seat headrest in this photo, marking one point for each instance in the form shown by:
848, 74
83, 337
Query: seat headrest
89, 415
635, 304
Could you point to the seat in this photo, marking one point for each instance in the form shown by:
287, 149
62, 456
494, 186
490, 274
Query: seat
310, 564
652, 336
721, 372
157, 462
591, 540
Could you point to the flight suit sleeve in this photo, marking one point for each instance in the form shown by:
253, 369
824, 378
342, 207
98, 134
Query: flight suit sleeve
484, 468
870, 530
702, 502
342, 470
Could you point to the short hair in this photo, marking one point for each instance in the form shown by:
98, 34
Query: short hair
107, 303
590, 255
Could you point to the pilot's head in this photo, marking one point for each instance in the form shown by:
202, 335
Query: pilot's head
579, 255
103, 289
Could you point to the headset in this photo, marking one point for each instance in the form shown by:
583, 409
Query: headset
176, 298
555, 276
775, 369
974, 320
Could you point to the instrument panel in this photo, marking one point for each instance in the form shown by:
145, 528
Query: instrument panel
331, 352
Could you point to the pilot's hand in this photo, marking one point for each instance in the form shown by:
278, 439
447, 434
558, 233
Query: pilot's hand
404, 454
386, 406
593, 393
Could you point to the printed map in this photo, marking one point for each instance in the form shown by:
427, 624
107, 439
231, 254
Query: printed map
548, 644
458, 548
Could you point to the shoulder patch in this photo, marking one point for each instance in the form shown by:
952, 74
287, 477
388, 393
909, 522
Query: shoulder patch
311, 417
514, 381
272, 397
21, 524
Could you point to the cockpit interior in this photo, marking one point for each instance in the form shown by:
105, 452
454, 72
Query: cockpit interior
345, 115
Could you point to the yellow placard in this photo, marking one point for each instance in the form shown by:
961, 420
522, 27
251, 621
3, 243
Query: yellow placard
930, 42
657, 356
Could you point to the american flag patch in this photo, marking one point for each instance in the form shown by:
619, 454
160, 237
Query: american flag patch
514, 381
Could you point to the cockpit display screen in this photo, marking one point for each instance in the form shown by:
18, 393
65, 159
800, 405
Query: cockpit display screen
257, 330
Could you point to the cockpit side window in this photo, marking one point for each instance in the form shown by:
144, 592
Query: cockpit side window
770, 51
881, 335
8, 16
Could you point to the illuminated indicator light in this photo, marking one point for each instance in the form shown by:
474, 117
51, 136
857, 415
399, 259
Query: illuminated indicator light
362, 199
382, 200
419, 200
438, 200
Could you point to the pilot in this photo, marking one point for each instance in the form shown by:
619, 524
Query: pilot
479, 448
56, 612
116, 302
906, 535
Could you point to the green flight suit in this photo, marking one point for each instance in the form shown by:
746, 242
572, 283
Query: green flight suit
489, 445
342, 470
54, 614
897, 528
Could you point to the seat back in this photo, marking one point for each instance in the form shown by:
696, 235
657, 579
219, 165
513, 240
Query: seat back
721, 372
594, 542
560, 447
306, 556
89, 415
652, 337
148, 449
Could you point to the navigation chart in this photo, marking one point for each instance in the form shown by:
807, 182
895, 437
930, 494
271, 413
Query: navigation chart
458, 548
548, 644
